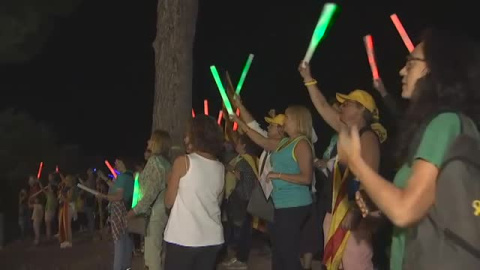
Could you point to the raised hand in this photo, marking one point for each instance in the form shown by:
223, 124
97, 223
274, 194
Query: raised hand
304, 69
379, 86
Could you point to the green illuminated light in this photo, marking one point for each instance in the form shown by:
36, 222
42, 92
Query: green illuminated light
244, 74
137, 195
323, 22
222, 91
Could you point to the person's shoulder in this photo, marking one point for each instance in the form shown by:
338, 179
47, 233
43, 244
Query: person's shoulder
128, 175
445, 121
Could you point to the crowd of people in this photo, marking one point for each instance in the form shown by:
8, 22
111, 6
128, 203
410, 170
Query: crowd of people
201, 209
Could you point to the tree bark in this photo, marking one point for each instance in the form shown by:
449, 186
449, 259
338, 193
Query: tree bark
173, 46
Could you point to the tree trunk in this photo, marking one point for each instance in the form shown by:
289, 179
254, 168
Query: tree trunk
173, 48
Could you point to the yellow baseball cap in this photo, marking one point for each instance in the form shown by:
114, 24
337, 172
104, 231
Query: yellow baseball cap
362, 97
279, 119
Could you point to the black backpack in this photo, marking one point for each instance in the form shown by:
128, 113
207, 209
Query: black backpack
449, 236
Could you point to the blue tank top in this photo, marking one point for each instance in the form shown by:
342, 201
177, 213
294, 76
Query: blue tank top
286, 194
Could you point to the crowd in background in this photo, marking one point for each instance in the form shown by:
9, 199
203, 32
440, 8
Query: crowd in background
202, 208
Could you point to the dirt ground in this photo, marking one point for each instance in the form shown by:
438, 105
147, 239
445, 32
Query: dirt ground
87, 253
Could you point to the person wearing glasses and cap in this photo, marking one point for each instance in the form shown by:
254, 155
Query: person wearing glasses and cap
343, 221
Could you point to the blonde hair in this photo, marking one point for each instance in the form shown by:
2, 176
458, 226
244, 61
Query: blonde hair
162, 143
303, 120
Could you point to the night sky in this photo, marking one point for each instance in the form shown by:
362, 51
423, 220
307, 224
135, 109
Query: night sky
93, 81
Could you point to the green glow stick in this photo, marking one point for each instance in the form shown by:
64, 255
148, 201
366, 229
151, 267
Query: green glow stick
137, 195
319, 32
222, 91
244, 74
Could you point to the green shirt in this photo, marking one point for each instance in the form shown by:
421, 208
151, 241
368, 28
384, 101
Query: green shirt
125, 181
438, 136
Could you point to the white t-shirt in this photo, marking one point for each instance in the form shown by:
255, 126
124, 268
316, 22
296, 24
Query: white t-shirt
195, 219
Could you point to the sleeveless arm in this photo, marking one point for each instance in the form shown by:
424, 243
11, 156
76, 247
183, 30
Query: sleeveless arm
304, 156
178, 171
256, 126
268, 144
325, 110
370, 149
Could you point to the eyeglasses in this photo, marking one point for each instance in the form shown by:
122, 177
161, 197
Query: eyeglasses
347, 103
411, 60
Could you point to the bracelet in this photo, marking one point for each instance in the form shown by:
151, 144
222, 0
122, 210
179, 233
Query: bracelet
312, 82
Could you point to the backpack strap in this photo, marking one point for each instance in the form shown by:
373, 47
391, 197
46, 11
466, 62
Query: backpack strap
468, 127
469, 134
264, 161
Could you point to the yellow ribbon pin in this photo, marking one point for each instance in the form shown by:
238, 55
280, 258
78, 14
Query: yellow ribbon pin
476, 206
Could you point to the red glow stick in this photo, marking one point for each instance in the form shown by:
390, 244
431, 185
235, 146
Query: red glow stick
205, 107
56, 169
40, 170
220, 117
402, 32
193, 113
235, 125
368, 40
111, 169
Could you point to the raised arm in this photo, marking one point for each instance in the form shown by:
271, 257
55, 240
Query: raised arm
328, 113
268, 144
104, 178
245, 115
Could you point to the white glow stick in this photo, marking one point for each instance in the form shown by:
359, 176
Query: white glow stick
87, 189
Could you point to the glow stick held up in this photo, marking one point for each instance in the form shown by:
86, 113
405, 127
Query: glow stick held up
87, 189
319, 32
220, 117
193, 113
205, 107
137, 195
40, 168
402, 32
368, 40
235, 124
221, 89
111, 169
56, 169
246, 68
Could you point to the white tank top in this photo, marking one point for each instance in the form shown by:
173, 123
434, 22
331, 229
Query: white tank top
195, 219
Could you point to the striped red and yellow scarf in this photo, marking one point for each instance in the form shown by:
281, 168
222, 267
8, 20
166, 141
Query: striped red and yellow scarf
337, 236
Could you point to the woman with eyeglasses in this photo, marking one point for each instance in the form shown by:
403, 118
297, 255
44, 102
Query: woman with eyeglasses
440, 79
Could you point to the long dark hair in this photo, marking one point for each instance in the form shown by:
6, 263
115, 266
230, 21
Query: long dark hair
451, 84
